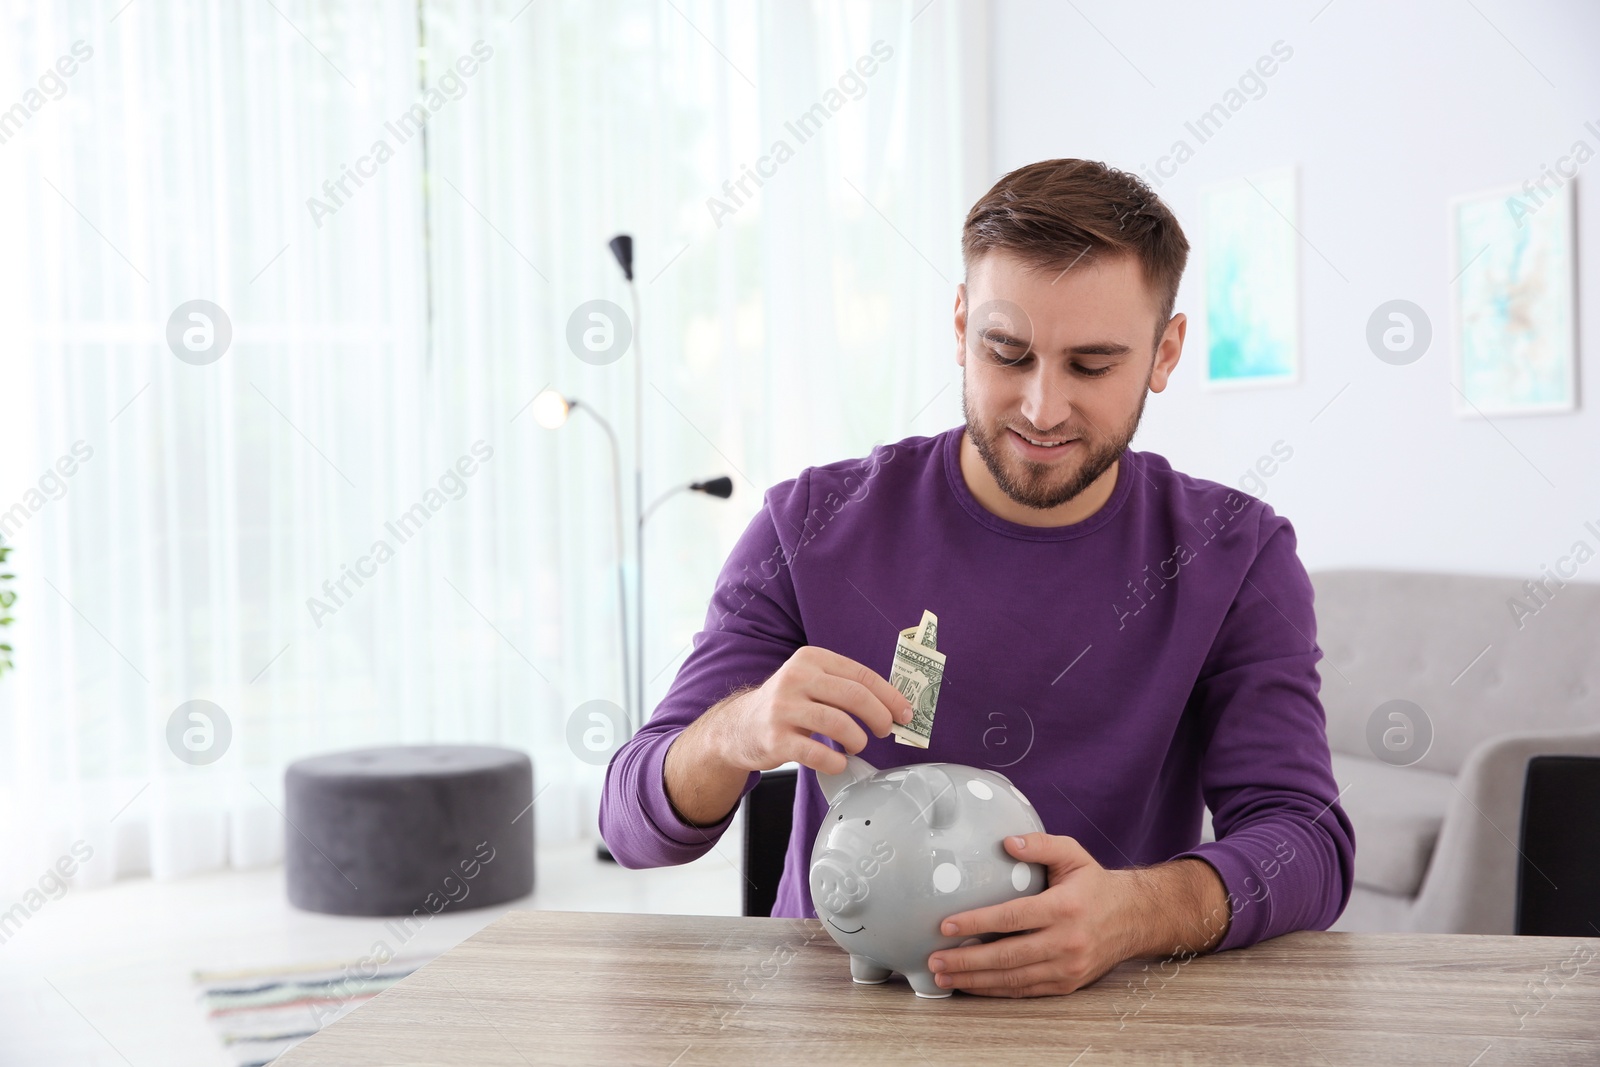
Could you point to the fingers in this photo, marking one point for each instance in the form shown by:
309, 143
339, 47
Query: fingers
818, 756
892, 701
1052, 973
814, 718
1007, 953
855, 698
1023, 966
1024, 913
1044, 848
1060, 854
1036, 980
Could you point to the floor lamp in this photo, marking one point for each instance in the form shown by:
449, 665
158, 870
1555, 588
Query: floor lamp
550, 411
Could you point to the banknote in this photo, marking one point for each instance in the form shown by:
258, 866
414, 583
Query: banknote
927, 630
918, 673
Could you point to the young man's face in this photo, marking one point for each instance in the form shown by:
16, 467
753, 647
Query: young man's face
1057, 356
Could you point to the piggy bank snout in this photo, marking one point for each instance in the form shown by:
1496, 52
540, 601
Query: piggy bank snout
843, 872
836, 886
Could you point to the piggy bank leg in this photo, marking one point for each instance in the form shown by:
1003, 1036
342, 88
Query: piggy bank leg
923, 985
863, 970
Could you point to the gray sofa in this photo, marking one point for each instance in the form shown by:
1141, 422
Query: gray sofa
1436, 840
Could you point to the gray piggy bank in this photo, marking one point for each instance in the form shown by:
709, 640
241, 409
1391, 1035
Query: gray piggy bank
901, 850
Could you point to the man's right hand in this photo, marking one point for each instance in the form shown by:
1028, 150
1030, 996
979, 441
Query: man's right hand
816, 691
758, 729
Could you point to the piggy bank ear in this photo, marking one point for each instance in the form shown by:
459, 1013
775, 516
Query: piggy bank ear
855, 769
934, 792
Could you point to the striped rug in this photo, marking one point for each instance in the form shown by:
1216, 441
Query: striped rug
257, 1014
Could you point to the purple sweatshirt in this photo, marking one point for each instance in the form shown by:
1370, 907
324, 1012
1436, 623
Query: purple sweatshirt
1122, 671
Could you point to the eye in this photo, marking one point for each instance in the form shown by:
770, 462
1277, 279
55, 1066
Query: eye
1093, 372
1001, 358
869, 822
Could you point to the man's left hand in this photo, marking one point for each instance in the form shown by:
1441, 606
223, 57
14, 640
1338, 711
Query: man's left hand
1077, 928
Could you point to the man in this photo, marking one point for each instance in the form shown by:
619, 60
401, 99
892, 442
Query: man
1124, 642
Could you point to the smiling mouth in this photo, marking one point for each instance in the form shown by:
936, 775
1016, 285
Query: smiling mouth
1042, 442
842, 930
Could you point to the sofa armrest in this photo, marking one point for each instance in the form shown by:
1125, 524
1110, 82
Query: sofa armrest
1471, 885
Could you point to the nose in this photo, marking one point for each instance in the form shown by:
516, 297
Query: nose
836, 887
1045, 403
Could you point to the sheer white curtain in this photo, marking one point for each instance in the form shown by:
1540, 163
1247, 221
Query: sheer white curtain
393, 310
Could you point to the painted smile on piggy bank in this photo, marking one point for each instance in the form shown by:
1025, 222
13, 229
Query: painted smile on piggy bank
901, 850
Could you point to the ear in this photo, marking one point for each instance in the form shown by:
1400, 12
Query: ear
961, 324
1168, 351
934, 792
855, 769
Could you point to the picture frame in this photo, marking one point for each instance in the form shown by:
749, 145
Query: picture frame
1513, 302
1252, 280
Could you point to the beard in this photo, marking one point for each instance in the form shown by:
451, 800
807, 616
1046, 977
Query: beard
1047, 485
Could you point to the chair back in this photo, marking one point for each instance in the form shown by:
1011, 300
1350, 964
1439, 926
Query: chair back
1558, 875
768, 816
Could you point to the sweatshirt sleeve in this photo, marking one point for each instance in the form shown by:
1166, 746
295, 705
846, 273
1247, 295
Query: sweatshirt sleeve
1285, 849
752, 627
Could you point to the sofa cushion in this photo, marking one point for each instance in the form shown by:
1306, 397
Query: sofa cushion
1396, 812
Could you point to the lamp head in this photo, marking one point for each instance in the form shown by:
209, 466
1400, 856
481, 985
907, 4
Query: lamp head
718, 487
622, 248
550, 409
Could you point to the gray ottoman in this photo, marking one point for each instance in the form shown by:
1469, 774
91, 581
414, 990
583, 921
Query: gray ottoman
409, 829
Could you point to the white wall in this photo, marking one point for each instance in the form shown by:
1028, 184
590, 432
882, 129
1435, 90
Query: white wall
1388, 110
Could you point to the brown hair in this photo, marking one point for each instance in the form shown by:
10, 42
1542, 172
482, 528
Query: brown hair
1058, 212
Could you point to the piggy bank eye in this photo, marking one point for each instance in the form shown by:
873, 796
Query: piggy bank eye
869, 822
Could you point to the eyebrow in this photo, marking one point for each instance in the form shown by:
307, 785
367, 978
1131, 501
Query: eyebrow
1094, 348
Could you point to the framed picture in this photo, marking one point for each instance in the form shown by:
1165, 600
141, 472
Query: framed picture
1252, 257
1512, 302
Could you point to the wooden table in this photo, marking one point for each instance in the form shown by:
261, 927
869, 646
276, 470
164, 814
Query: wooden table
541, 987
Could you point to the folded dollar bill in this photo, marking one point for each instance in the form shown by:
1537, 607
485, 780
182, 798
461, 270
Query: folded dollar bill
918, 672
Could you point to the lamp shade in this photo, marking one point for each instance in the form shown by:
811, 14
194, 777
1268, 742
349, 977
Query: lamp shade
718, 487
622, 248
550, 409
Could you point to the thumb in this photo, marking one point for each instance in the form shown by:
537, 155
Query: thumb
1060, 854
